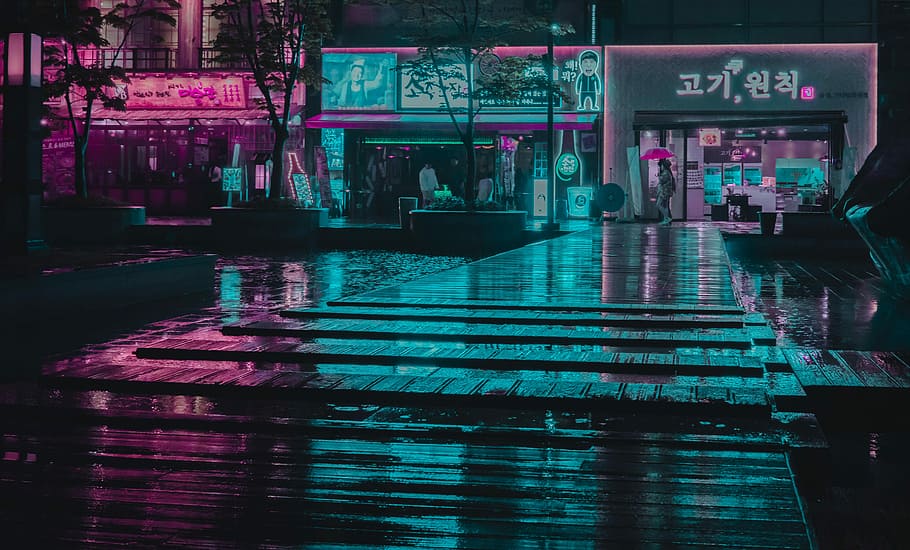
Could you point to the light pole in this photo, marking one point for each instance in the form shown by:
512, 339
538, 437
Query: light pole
551, 225
20, 196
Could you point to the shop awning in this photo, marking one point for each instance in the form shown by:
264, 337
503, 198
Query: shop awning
523, 122
179, 114
665, 120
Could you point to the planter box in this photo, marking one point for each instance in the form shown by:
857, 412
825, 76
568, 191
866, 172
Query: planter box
90, 224
260, 228
815, 224
469, 233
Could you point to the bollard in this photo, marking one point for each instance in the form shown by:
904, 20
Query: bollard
405, 205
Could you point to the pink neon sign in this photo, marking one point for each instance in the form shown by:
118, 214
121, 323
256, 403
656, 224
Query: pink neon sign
185, 93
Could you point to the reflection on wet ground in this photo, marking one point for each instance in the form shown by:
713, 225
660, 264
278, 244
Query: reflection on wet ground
823, 303
842, 304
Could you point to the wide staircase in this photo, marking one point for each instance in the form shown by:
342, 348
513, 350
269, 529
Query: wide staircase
603, 388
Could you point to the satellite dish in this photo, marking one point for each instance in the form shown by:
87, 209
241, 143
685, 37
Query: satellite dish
610, 197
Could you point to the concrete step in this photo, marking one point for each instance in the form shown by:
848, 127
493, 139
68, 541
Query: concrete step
566, 306
405, 390
471, 333
690, 361
659, 320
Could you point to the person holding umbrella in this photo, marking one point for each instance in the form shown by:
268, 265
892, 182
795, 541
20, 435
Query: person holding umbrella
666, 183
666, 187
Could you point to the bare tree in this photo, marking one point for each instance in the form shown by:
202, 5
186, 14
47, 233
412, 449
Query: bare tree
86, 68
280, 41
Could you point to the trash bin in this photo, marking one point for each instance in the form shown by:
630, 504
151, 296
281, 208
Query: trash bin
767, 220
405, 205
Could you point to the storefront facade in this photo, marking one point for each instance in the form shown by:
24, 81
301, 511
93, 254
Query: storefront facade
381, 125
158, 153
778, 127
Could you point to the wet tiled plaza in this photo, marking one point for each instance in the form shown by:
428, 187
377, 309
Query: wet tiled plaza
351, 473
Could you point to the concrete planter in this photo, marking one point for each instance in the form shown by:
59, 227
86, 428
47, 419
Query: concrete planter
262, 228
820, 225
89, 224
470, 233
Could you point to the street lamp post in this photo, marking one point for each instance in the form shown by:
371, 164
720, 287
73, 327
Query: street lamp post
551, 225
20, 196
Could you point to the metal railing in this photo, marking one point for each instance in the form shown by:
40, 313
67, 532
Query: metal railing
134, 59
207, 60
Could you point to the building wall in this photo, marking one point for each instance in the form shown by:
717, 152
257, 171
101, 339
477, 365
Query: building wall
747, 21
650, 78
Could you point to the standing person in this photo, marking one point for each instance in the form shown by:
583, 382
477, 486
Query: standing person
485, 188
666, 187
215, 192
429, 183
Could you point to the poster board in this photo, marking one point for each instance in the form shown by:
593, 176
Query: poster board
322, 176
302, 188
230, 179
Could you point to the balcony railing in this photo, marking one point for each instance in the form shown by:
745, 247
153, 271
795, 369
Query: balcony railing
134, 59
207, 60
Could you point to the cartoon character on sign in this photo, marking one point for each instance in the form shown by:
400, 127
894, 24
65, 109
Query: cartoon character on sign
587, 85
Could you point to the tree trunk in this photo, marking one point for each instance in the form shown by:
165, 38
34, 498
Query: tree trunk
277, 189
471, 161
80, 146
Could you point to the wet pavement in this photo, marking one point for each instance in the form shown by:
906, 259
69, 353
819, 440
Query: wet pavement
807, 303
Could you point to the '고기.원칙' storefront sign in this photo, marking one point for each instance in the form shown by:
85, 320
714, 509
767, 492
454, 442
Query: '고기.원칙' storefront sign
733, 83
184, 93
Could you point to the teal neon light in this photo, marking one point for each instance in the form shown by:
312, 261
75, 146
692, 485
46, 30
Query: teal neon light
566, 166
422, 141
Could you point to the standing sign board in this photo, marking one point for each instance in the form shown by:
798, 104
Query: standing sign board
230, 179
322, 176
302, 188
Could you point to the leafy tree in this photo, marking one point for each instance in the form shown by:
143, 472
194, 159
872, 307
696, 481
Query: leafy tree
273, 38
453, 37
81, 75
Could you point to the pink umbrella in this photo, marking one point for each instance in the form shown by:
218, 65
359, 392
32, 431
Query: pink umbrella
656, 153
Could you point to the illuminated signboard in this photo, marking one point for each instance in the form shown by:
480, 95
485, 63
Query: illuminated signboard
184, 93
734, 83
358, 81
709, 137
230, 179
540, 198
577, 70
567, 165
579, 201
333, 141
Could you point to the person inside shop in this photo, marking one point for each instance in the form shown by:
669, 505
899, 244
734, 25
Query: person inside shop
215, 176
485, 187
456, 178
429, 183
666, 187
